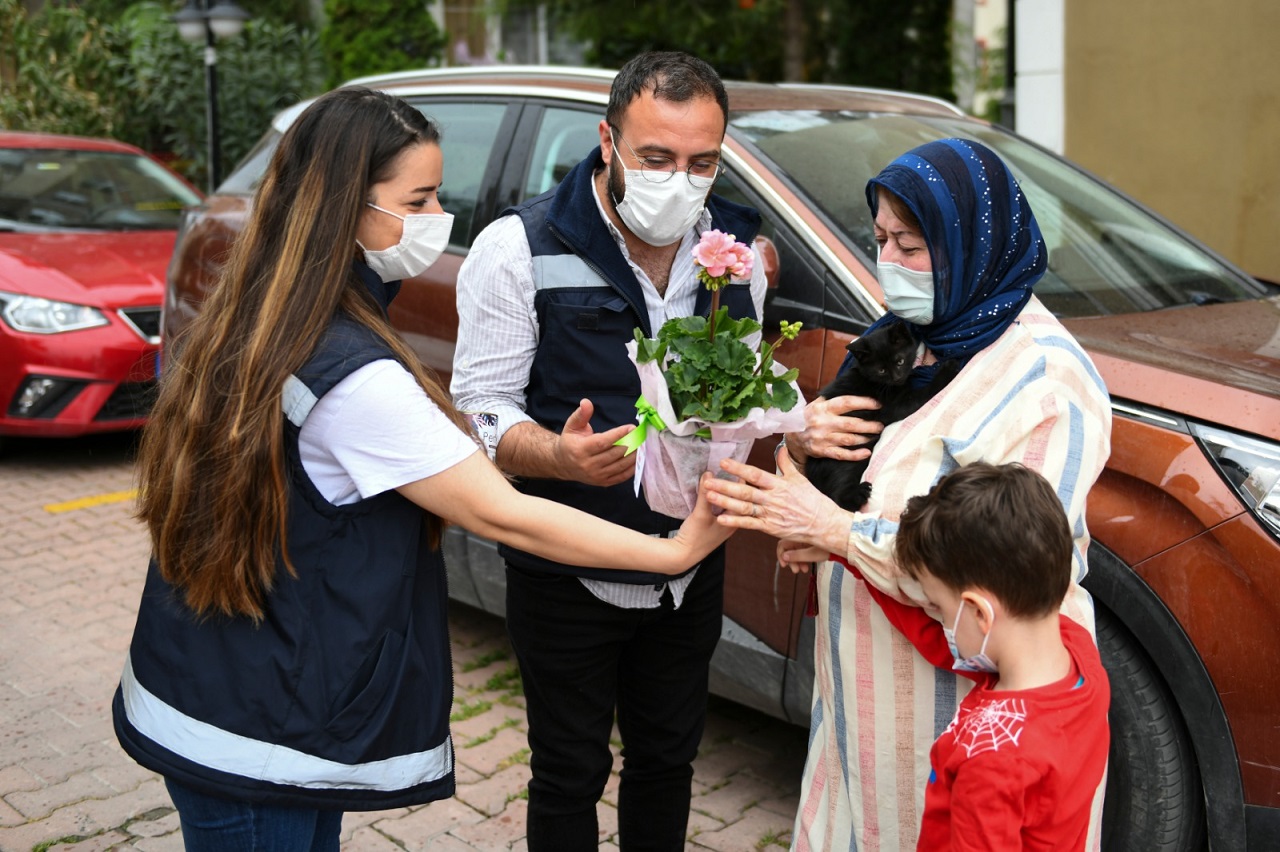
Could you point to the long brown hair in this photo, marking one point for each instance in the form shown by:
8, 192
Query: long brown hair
213, 487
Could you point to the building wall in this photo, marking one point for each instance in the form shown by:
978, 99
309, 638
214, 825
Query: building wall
1040, 60
1177, 102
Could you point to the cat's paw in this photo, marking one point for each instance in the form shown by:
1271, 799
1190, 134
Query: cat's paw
947, 370
854, 498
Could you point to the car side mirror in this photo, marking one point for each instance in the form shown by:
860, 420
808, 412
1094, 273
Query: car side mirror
768, 253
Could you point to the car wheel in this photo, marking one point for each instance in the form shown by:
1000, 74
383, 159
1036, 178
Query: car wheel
1154, 800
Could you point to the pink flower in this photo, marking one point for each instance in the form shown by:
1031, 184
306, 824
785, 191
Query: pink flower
719, 253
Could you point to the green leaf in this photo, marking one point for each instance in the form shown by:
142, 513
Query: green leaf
679, 327
718, 380
784, 397
648, 350
734, 356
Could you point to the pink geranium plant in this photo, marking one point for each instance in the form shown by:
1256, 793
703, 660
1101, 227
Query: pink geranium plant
720, 258
711, 373
706, 394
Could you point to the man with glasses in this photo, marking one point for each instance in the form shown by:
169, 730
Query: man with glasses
547, 300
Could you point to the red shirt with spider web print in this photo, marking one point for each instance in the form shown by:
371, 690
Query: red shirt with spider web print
1015, 769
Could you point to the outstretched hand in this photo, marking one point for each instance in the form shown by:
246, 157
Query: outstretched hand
785, 505
700, 533
585, 455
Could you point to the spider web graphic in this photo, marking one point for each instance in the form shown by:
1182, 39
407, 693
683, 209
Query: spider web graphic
994, 725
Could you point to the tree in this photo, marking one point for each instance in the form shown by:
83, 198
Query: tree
362, 37
55, 72
738, 38
136, 80
902, 44
894, 44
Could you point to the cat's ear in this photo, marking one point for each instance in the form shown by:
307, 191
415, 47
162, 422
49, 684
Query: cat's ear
899, 332
858, 346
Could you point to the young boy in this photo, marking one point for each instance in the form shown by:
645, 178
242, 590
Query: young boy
1018, 765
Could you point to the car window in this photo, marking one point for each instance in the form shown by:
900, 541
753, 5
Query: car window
565, 136
1106, 254
804, 291
468, 133
97, 190
247, 174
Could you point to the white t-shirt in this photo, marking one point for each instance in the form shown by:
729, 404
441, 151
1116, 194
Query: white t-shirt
377, 430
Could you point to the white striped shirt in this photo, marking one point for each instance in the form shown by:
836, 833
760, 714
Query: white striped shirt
498, 338
1033, 396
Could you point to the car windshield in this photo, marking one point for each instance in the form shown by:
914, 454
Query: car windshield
44, 189
1106, 255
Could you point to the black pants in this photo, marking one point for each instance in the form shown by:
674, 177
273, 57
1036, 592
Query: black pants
579, 659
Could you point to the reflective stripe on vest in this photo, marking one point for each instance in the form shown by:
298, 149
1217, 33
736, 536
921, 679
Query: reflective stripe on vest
224, 751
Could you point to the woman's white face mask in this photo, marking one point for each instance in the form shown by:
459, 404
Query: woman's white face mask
423, 240
908, 293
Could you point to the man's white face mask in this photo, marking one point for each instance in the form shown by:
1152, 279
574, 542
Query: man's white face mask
660, 212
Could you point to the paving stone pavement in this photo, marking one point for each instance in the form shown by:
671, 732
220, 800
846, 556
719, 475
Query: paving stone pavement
72, 562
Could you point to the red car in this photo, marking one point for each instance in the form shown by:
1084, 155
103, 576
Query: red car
87, 227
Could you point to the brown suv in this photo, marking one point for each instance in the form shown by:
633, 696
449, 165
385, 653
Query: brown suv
1185, 519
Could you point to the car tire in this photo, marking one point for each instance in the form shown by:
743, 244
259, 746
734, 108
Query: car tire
1154, 798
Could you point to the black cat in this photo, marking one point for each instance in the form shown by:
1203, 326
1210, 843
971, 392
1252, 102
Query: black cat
884, 359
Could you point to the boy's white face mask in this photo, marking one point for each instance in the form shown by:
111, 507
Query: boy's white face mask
979, 662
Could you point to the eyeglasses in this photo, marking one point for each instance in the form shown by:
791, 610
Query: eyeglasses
658, 169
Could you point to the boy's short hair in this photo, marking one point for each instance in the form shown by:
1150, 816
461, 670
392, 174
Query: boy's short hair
997, 527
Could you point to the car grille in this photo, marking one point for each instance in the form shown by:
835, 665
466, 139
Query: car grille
145, 321
130, 401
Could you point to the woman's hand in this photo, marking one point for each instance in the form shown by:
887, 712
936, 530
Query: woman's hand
786, 506
700, 534
828, 432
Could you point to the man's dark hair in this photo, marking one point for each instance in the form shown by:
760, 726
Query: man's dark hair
996, 527
671, 75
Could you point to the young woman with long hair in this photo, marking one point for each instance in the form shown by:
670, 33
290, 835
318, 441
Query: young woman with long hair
291, 655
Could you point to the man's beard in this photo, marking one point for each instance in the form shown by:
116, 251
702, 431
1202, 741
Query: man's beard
616, 184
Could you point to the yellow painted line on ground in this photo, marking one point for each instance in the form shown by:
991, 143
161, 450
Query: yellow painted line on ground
86, 502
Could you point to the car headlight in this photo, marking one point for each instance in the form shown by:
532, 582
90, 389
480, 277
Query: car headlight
45, 316
1250, 465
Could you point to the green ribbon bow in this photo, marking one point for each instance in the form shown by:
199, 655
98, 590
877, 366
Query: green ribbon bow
646, 416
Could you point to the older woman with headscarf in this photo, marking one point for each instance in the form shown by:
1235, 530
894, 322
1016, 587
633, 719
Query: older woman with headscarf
959, 253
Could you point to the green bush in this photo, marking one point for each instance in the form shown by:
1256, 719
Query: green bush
739, 39
894, 44
136, 80
899, 44
269, 66
364, 37
57, 72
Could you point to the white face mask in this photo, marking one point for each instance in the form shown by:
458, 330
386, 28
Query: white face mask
660, 213
979, 662
908, 294
424, 239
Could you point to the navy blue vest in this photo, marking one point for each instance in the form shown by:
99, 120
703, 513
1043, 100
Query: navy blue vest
340, 698
588, 304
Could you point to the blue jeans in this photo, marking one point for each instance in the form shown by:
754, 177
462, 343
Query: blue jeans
210, 824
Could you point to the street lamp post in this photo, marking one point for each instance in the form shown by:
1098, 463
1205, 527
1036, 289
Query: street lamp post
198, 21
